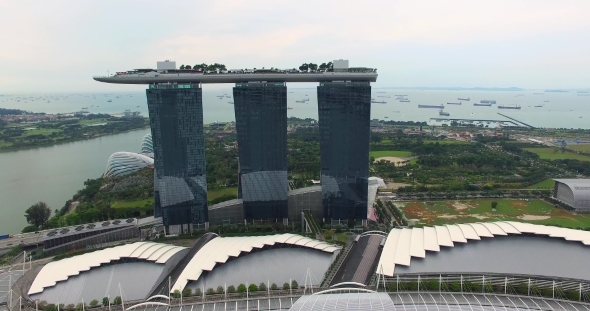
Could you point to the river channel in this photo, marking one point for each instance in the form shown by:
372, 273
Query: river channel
54, 174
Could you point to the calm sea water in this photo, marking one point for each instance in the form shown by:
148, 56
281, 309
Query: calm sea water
54, 174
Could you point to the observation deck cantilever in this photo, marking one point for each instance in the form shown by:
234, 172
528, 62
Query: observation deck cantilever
155, 77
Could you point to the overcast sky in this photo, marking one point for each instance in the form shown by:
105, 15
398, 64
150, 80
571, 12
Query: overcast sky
57, 46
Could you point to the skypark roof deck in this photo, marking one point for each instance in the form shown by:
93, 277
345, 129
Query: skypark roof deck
192, 77
167, 72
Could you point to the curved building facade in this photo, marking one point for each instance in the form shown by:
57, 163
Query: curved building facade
147, 146
123, 163
573, 192
494, 248
133, 269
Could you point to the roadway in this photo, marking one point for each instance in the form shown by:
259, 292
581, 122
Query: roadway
360, 263
25, 239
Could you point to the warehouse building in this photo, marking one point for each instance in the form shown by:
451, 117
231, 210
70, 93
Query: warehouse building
573, 192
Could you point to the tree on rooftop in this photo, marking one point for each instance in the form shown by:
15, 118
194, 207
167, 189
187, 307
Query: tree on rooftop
181, 67
105, 301
220, 289
294, 284
187, 67
312, 66
231, 289
187, 292
304, 67
241, 288
38, 214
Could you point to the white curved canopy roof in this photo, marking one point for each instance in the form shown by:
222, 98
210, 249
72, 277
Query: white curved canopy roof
61, 270
147, 145
219, 250
123, 163
403, 244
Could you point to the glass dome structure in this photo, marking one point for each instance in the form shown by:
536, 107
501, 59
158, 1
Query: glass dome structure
147, 146
123, 163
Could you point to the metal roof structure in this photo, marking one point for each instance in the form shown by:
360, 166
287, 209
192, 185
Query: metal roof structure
361, 301
404, 244
574, 192
61, 270
124, 163
220, 250
66, 231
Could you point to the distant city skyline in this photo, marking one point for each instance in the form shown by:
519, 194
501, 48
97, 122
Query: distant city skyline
58, 46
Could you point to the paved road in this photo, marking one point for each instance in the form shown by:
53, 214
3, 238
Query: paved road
24, 239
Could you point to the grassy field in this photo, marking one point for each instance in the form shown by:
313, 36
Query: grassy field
549, 153
478, 210
390, 153
584, 147
93, 121
545, 184
137, 203
214, 194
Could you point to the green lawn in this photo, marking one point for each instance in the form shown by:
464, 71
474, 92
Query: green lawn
582, 147
549, 153
93, 121
390, 153
214, 194
479, 210
545, 184
446, 142
136, 203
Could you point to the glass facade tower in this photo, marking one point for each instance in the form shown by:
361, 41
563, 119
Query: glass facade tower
180, 187
261, 123
344, 120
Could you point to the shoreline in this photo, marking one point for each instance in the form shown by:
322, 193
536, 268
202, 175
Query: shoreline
69, 141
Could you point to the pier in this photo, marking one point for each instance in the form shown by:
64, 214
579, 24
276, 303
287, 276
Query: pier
505, 116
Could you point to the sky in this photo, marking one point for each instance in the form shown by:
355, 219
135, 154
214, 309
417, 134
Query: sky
58, 45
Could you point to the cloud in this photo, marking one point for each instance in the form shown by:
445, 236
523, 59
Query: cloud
72, 40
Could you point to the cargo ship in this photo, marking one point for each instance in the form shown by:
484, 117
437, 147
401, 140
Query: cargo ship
459, 103
482, 104
509, 107
378, 102
404, 100
488, 101
443, 113
431, 106
465, 99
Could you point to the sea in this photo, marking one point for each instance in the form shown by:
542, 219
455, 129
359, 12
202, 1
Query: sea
54, 174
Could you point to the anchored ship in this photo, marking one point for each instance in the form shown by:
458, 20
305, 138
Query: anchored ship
488, 101
509, 107
404, 100
482, 104
378, 102
465, 99
431, 106
459, 103
443, 113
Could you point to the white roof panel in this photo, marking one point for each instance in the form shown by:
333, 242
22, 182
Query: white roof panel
443, 236
403, 244
219, 250
456, 234
417, 243
386, 263
481, 230
430, 240
494, 228
469, 232
402, 255
508, 228
61, 270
